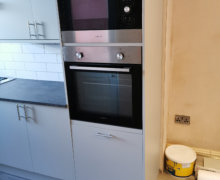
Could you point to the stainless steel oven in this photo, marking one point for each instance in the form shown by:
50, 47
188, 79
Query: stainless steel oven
114, 21
104, 84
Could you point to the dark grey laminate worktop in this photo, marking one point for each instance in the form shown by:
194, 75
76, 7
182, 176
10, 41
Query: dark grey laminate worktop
34, 91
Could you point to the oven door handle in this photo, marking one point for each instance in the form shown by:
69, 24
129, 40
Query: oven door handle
99, 69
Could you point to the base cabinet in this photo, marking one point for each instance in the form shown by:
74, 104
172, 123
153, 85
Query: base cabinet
40, 143
106, 154
50, 139
14, 144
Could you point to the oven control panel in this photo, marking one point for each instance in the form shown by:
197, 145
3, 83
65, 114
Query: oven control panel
126, 55
129, 12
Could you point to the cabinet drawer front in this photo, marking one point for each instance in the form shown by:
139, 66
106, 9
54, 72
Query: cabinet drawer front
107, 154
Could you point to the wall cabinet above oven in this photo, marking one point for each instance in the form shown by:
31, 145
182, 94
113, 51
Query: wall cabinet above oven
32, 20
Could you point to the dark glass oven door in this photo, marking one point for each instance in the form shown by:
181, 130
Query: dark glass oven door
105, 94
100, 14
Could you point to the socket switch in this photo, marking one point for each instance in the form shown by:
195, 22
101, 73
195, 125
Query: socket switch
182, 119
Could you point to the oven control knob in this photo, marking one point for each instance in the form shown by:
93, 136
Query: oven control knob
120, 56
127, 9
79, 55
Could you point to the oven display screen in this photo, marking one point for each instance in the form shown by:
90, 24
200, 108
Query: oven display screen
87, 13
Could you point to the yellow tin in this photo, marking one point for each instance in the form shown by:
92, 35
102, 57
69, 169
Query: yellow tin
180, 160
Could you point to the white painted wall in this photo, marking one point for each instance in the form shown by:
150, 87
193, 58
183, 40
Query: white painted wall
31, 61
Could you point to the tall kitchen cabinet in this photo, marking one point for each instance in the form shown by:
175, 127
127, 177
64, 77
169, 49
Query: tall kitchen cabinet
29, 20
153, 81
39, 141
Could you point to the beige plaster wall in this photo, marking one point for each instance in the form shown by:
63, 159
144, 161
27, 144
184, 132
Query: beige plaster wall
166, 75
195, 73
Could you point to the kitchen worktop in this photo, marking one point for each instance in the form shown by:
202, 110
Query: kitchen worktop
49, 93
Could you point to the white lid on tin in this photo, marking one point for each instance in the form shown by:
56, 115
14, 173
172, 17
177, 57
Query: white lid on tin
180, 154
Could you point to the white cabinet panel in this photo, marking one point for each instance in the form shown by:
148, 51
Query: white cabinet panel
41, 14
50, 141
14, 17
41, 143
14, 147
102, 154
46, 14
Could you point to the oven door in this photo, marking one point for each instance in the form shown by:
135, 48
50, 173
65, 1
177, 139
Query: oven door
105, 94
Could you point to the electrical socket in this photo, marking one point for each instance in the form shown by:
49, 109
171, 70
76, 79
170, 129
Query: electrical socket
182, 119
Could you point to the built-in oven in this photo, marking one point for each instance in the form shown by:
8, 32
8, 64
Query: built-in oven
104, 84
113, 21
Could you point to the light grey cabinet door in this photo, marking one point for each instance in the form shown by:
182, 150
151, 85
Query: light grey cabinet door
14, 146
50, 141
105, 154
45, 14
14, 17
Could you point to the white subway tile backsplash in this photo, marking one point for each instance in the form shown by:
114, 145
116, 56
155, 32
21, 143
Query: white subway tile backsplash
26, 74
52, 49
10, 48
10, 73
35, 66
32, 48
54, 68
5, 57
47, 76
23, 57
47, 58
2, 72
2, 65
59, 58
31, 61
14, 65
61, 76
